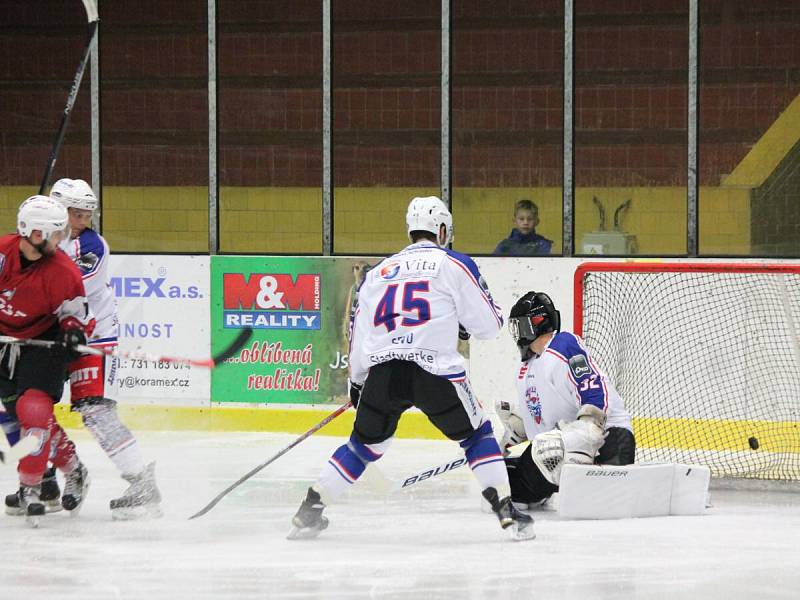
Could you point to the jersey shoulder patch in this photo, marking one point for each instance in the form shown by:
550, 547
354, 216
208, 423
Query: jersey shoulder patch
579, 366
87, 262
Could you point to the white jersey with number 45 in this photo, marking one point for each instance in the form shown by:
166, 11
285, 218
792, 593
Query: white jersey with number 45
410, 306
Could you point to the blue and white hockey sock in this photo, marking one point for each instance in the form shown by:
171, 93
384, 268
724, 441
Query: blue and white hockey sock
346, 465
486, 460
10, 427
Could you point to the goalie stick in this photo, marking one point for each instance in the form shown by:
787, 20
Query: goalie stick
252, 472
92, 17
208, 363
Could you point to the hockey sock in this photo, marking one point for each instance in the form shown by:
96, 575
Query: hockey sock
35, 414
346, 465
114, 437
486, 460
10, 427
62, 451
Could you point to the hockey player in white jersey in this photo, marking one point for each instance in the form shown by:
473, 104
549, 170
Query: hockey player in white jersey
566, 405
93, 377
403, 354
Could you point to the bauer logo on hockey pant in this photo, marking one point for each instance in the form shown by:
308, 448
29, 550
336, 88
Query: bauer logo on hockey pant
434, 472
272, 301
579, 366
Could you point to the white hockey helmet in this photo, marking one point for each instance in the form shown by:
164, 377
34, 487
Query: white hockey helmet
428, 213
43, 214
74, 193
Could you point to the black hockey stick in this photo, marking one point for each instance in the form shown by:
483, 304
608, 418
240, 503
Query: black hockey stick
91, 15
252, 472
209, 363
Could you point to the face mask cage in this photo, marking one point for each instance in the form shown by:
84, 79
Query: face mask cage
523, 328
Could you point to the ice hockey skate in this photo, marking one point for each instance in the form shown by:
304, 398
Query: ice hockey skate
26, 502
141, 499
521, 524
308, 522
50, 496
77, 485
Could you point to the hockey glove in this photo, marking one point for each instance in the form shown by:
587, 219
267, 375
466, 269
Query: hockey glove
65, 342
463, 334
355, 392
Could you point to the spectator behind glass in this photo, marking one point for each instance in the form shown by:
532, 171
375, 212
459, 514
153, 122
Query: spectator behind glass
523, 240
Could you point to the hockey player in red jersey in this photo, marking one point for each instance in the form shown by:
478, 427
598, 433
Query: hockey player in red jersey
41, 297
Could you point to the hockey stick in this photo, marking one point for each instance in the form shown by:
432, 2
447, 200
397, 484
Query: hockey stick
208, 363
430, 473
451, 465
91, 15
252, 472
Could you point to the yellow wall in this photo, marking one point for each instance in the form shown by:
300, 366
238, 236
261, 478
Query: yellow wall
275, 220
372, 220
156, 219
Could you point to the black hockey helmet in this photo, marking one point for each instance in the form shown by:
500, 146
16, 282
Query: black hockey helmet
532, 315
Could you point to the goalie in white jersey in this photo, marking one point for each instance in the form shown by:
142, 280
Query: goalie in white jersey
566, 405
403, 353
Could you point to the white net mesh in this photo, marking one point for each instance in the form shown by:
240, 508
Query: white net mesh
708, 364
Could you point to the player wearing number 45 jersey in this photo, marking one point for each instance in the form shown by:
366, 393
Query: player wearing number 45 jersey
566, 405
411, 308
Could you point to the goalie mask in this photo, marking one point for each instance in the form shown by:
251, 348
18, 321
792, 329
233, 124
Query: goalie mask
532, 315
429, 214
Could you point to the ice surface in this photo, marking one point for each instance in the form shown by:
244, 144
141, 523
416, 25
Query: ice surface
431, 541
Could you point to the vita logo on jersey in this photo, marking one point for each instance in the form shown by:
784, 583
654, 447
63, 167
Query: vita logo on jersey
389, 270
272, 301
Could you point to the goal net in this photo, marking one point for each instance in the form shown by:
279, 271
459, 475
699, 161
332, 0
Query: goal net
706, 357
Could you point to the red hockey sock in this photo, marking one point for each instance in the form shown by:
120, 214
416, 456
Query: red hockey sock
64, 454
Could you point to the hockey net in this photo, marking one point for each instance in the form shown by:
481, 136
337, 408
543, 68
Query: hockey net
706, 357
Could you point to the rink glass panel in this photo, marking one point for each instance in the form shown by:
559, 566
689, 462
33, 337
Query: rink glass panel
386, 119
630, 107
270, 127
36, 76
154, 115
506, 119
749, 128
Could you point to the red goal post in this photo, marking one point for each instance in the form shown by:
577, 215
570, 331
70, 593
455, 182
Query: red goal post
706, 356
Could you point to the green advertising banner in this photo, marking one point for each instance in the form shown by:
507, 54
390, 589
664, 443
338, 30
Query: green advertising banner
299, 309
